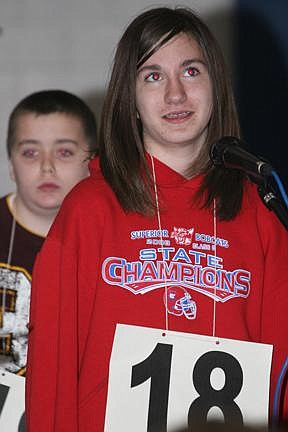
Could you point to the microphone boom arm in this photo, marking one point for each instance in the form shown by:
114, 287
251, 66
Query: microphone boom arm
273, 203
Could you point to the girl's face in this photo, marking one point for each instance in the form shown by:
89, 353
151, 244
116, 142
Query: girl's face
174, 97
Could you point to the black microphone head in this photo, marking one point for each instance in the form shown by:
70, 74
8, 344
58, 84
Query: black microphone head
231, 152
219, 147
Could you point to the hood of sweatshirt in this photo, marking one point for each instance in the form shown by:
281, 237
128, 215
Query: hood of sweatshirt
165, 176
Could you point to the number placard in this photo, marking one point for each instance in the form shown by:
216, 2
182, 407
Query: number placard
164, 380
12, 402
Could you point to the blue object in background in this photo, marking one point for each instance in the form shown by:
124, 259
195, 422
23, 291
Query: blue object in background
261, 78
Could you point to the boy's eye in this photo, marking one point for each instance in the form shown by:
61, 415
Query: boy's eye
153, 76
29, 153
65, 152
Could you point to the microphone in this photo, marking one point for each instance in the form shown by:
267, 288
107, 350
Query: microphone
228, 151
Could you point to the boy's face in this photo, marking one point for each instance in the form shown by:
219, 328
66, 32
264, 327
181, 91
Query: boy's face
47, 159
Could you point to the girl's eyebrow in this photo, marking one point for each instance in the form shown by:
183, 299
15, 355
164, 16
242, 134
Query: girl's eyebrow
152, 67
192, 61
157, 68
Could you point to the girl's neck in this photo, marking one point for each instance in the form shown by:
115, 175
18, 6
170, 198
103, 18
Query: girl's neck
181, 162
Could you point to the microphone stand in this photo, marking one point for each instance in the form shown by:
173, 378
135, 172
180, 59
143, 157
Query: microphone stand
272, 202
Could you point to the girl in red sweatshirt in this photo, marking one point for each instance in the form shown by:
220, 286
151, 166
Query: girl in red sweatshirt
159, 260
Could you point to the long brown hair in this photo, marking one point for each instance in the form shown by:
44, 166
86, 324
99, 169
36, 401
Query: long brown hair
122, 153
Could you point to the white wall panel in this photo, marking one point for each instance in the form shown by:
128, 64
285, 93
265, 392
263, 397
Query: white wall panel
69, 44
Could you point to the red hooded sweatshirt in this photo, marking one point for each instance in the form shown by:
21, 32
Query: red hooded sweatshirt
85, 277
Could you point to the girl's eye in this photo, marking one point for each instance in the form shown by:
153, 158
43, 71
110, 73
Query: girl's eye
191, 71
153, 76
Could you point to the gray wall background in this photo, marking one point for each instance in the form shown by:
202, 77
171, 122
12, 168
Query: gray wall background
69, 44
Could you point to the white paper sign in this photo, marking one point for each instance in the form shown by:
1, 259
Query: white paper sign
165, 380
12, 402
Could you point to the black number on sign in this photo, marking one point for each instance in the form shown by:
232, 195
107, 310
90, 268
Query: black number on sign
157, 367
210, 397
3, 395
22, 424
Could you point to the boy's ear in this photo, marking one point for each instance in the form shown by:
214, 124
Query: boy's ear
11, 170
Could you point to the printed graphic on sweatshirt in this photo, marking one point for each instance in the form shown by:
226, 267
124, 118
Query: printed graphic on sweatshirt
179, 302
184, 261
15, 287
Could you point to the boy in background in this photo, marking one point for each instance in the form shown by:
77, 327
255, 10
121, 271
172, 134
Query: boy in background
51, 136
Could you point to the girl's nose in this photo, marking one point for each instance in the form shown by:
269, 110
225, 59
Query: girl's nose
175, 91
